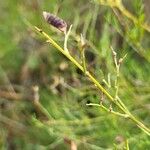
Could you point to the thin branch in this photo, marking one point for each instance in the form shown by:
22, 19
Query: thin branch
108, 110
67, 33
95, 82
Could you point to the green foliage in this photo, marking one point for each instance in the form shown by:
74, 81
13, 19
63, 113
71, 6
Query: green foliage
26, 60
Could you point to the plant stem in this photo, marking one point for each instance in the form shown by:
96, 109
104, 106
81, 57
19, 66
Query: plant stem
106, 109
118, 4
117, 102
125, 12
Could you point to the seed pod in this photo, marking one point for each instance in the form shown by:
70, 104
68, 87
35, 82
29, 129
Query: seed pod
55, 21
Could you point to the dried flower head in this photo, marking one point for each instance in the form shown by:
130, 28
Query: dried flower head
55, 21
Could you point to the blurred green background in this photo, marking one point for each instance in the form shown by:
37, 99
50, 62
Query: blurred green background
27, 63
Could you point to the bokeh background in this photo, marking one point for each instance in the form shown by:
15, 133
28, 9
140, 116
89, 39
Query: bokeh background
31, 70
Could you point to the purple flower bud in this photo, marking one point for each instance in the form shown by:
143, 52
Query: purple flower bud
55, 21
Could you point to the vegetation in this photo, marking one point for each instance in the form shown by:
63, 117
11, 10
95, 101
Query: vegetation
96, 97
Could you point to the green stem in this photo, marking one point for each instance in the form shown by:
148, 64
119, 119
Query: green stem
125, 12
111, 111
96, 83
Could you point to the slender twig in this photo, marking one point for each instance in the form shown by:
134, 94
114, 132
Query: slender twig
127, 145
96, 83
82, 50
108, 82
108, 110
66, 38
